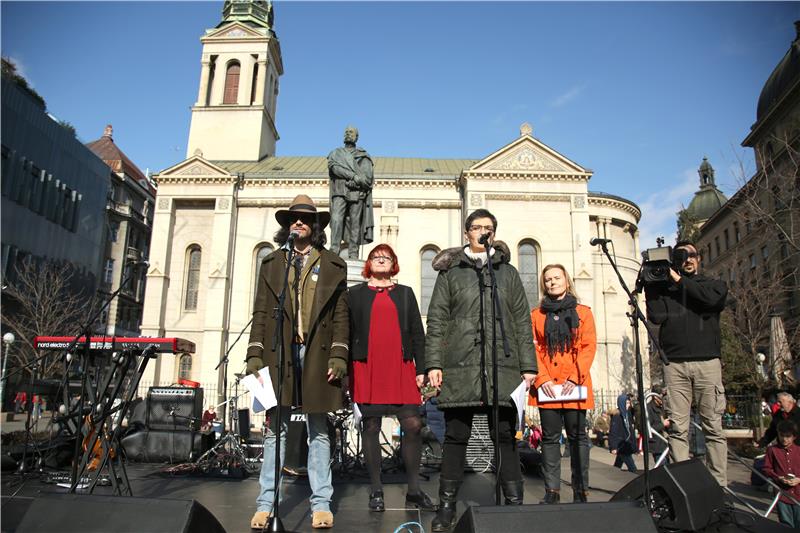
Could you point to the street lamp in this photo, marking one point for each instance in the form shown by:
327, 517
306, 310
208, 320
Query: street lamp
8, 340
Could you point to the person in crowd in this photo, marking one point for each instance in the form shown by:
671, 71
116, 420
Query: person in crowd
782, 464
565, 340
209, 416
658, 423
20, 400
687, 308
622, 435
316, 331
601, 427
462, 324
788, 410
388, 356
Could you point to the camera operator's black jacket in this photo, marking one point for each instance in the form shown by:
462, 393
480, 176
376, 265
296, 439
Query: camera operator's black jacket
688, 313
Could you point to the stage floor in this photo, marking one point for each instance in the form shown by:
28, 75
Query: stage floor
232, 502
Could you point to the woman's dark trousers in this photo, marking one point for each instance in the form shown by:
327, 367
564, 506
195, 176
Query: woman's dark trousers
574, 421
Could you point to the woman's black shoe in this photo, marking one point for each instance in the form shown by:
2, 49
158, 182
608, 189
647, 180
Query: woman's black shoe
421, 501
376, 501
579, 496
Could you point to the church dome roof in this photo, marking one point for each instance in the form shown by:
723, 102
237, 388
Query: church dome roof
705, 203
783, 78
708, 198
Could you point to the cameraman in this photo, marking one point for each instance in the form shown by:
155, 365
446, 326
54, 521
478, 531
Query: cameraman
687, 308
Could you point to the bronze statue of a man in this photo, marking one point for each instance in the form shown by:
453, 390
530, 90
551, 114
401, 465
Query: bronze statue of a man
351, 180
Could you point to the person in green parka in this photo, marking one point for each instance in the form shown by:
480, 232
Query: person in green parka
458, 348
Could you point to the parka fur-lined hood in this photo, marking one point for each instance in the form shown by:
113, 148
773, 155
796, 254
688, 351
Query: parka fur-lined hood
450, 257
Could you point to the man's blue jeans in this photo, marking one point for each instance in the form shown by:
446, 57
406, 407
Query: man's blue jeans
319, 462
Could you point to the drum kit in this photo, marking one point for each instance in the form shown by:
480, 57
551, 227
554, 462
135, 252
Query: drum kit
233, 450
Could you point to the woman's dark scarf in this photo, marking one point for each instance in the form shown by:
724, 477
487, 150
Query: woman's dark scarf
560, 325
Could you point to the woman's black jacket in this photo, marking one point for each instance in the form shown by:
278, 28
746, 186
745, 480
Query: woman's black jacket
360, 298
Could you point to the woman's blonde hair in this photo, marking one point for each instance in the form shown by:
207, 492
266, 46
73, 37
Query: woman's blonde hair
570, 284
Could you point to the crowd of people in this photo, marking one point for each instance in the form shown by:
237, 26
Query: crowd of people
373, 333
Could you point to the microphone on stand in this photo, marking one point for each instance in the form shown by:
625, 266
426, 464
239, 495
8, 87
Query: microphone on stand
290, 241
484, 239
595, 241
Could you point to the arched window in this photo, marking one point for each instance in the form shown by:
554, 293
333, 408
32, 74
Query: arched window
231, 95
529, 271
193, 257
263, 251
185, 367
428, 278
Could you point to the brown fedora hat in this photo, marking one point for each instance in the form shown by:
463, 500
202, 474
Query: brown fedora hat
301, 204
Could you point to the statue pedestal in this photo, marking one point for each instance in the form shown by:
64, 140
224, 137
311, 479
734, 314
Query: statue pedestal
354, 269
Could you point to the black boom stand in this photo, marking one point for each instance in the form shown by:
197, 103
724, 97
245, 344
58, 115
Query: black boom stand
635, 315
496, 312
275, 524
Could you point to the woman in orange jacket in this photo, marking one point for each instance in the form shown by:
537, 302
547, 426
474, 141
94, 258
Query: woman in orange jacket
564, 334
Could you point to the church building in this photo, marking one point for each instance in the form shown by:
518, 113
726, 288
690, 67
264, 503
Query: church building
214, 214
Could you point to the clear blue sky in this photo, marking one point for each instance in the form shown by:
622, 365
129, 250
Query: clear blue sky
638, 92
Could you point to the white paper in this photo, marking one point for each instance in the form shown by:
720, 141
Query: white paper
520, 397
263, 395
578, 393
356, 417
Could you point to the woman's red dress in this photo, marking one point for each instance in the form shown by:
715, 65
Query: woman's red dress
385, 377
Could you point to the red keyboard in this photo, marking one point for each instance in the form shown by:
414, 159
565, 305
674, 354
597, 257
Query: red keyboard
115, 344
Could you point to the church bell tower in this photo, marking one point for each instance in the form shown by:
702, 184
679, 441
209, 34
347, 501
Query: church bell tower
234, 116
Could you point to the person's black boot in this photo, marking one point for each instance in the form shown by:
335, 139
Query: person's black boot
446, 515
579, 496
376, 501
551, 497
513, 492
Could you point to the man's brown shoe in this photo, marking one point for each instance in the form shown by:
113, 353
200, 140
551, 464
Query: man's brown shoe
259, 520
322, 519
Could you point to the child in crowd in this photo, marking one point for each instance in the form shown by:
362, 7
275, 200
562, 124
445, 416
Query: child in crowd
622, 436
782, 464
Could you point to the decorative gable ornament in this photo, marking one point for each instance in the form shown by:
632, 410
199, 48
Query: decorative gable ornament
526, 158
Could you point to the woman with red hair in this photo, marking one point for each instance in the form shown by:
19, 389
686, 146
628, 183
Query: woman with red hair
387, 346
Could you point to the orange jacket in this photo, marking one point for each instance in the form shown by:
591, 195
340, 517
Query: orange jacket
574, 366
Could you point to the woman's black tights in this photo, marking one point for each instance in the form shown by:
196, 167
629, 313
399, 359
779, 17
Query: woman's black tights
411, 446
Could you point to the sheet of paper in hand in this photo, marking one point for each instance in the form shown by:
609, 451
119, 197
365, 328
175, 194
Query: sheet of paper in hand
578, 393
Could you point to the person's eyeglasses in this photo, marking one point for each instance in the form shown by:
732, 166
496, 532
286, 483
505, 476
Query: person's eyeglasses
476, 227
382, 257
691, 255
308, 220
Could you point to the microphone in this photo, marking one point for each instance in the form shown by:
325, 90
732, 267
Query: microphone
484, 239
293, 235
595, 241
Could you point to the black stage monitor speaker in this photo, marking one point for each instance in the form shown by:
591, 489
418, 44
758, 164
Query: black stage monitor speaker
616, 517
154, 446
68, 513
685, 495
296, 442
174, 408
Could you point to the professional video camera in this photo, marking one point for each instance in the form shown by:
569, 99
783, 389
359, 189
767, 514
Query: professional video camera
658, 261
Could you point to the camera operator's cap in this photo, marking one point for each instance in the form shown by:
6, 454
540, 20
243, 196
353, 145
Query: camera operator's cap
301, 204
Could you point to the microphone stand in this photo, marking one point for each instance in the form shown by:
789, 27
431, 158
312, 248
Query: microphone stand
636, 315
224, 361
497, 316
275, 525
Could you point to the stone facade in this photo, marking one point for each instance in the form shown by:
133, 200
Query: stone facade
226, 210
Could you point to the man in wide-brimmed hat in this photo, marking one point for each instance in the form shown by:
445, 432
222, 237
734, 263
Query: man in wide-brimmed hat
315, 337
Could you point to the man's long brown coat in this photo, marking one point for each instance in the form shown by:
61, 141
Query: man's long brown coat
328, 331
